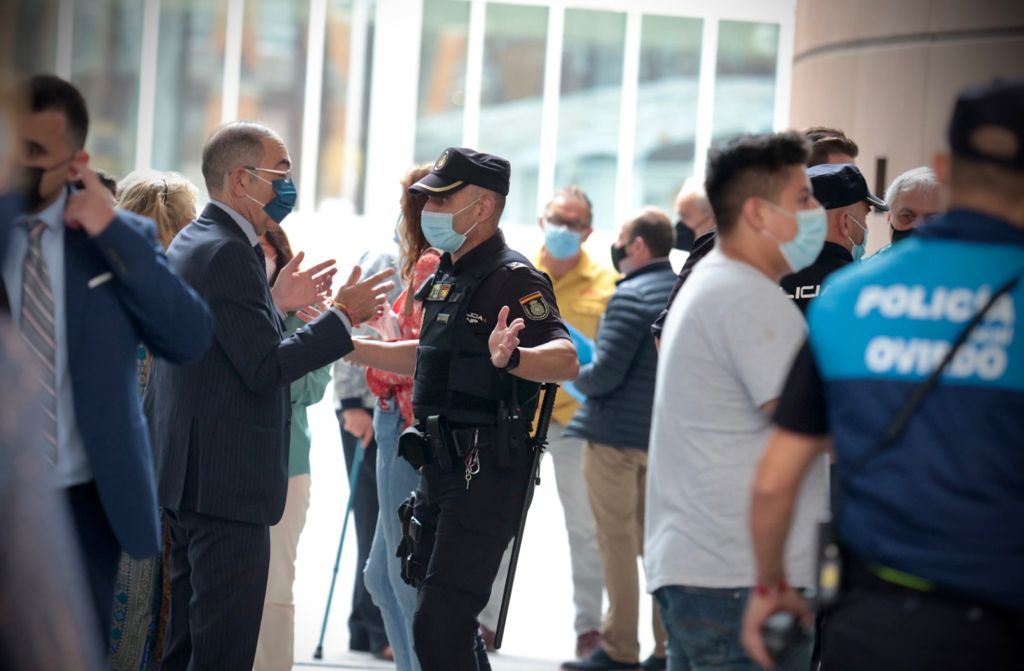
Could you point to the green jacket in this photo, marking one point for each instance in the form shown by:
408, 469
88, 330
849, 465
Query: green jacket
306, 391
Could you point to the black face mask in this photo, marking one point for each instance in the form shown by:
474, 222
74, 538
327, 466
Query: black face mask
898, 235
618, 253
685, 237
29, 179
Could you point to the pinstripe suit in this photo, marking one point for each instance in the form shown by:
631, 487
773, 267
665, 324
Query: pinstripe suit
220, 429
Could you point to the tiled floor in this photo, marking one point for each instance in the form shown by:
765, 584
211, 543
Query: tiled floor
540, 626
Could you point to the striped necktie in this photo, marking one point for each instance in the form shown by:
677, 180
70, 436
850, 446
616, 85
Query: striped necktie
37, 328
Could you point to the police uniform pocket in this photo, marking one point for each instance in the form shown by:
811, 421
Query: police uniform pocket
495, 497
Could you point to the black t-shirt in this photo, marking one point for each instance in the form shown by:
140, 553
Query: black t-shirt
701, 247
802, 407
524, 289
805, 285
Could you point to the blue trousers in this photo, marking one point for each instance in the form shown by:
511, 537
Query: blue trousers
704, 625
395, 480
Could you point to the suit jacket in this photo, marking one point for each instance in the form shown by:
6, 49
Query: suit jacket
134, 298
221, 424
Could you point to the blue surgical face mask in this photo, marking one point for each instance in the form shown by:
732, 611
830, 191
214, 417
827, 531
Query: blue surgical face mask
858, 250
439, 229
812, 226
561, 242
285, 195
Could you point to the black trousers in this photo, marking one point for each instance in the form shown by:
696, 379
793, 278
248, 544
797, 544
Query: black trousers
887, 628
365, 623
100, 552
218, 583
465, 533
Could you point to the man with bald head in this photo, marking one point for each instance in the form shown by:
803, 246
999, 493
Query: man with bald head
694, 211
220, 425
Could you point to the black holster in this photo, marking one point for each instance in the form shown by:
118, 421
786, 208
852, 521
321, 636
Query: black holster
412, 531
439, 436
414, 448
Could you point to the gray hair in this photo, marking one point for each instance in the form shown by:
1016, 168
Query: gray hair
922, 178
235, 143
571, 192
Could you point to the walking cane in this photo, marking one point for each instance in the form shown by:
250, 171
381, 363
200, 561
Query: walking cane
353, 478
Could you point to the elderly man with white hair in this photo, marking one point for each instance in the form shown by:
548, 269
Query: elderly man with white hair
913, 196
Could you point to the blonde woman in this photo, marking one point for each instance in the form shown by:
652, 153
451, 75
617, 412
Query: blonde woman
140, 613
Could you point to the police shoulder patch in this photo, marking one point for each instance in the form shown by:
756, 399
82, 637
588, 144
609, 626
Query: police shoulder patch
534, 306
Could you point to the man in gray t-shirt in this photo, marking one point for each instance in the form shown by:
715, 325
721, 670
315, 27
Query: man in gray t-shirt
728, 342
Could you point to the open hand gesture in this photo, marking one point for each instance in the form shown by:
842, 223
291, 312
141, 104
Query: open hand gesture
364, 300
504, 339
296, 289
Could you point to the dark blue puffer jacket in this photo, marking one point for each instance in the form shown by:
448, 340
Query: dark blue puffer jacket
619, 382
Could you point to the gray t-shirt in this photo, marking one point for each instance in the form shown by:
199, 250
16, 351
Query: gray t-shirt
729, 340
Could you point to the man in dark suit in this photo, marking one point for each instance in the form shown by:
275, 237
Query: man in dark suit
86, 285
221, 424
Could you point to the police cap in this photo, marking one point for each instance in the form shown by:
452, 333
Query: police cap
988, 124
458, 167
840, 184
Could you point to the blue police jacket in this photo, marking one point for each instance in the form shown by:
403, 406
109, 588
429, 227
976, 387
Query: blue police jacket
945, 503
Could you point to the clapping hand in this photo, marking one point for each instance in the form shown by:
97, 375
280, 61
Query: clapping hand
310, 312
504, 339
364, 300
90, 207
295, 289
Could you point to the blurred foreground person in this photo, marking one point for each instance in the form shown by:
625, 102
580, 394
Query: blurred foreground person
913, 373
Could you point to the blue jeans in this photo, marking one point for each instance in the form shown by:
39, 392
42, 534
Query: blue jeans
704, 625
395, 480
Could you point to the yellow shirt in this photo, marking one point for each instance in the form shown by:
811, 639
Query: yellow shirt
582, 295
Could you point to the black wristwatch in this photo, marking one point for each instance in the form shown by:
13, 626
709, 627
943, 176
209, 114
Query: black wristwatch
513, 361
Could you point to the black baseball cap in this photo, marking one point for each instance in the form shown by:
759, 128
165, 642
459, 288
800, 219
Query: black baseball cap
988, 124
840, 184
458, 167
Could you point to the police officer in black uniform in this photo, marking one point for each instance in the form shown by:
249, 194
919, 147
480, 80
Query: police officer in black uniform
843, 192
491, 333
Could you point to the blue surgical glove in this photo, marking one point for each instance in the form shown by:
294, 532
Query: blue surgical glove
584, 345
574, 391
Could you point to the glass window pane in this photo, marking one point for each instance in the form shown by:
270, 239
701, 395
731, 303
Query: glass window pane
442, 77
190, 75
511, 100
745, 78
669, 68
332, 179
106, 52
588, 113
273, 82
28, 36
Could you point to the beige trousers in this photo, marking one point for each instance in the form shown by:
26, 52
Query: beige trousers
275, 650
616, 482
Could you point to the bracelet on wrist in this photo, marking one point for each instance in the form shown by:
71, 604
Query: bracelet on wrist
344, 309
761, 589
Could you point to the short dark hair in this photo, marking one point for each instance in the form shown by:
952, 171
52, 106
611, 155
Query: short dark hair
826, 141
656, 229
48, 92
750, 165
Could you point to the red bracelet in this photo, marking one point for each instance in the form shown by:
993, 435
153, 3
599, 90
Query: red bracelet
761, 589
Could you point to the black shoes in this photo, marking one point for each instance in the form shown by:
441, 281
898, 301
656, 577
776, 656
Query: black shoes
600, 661
654, 663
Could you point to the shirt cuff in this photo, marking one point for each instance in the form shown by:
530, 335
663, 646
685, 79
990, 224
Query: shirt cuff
343, 317
354, 402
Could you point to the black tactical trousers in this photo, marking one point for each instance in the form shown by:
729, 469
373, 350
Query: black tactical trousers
465, 532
